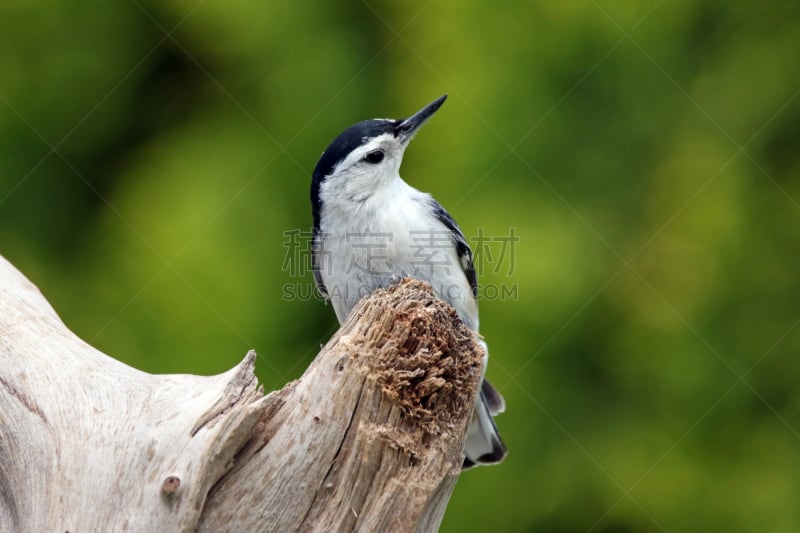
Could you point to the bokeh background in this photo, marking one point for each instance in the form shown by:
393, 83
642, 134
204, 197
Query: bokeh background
155, 160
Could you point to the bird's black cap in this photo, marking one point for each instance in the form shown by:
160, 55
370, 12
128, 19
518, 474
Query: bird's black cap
349, 140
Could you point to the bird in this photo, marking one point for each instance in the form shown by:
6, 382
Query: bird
372, 228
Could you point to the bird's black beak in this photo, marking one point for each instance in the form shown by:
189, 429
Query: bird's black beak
406, 128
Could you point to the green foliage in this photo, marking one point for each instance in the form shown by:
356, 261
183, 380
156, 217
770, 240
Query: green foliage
153, 155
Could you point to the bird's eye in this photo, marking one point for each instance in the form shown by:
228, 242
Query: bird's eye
374, 157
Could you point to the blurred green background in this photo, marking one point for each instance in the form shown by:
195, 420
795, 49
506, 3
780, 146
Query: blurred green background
154, 155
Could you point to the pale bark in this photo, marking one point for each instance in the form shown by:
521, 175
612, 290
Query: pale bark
370, 438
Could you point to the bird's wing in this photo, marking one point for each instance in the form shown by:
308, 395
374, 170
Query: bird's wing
462, 248
316, 258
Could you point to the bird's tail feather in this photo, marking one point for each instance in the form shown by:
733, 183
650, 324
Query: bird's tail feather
494, 400
484, 445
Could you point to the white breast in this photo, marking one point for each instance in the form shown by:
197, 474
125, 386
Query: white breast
391, 234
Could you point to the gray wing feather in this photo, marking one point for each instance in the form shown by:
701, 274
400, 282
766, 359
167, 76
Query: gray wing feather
462, 248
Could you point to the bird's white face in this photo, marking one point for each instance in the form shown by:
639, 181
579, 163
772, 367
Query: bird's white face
366, 170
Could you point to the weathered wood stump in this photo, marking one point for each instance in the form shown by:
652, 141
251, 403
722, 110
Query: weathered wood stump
370, 438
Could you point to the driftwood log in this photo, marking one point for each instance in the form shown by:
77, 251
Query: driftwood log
370, 438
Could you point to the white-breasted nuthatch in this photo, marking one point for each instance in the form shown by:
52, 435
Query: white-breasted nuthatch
371, 227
